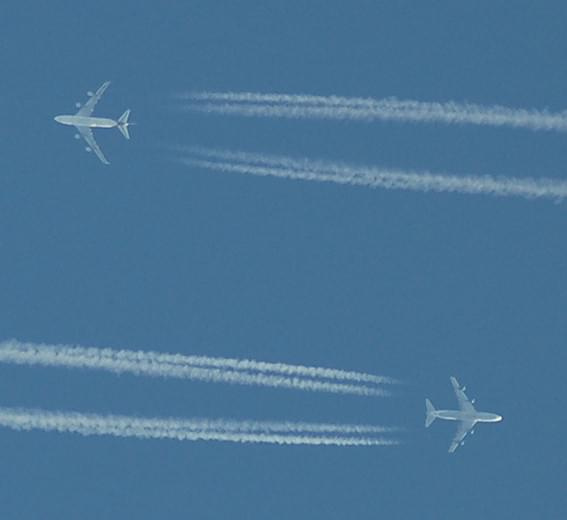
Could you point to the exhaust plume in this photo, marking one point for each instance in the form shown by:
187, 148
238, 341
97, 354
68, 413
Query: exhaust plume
372, 177
177, 429
200, 368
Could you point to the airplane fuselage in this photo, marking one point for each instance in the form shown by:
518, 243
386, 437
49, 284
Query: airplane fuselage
458, 415
90, 122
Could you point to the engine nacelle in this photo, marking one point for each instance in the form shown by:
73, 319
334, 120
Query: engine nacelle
90, 93
78, 105
88, 149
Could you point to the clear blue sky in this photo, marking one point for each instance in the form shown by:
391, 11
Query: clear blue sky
148, 254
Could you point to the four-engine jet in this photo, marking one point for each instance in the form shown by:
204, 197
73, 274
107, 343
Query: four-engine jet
467, 415
83, 122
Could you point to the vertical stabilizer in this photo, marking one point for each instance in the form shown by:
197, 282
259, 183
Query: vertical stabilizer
123, 124
429, 413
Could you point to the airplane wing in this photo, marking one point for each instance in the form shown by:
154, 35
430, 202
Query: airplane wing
464, 402
87, 109
88, 136
462, 430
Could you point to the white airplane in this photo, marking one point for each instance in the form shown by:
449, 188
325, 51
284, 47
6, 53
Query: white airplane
467, 415
83, 122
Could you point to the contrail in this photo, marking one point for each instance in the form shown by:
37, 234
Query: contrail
177, 429
303, 106
372, 177
199, 368
290, 427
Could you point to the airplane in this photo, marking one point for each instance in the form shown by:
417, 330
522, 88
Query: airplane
84, 122
467, 415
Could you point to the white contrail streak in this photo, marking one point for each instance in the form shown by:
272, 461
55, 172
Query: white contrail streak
154, 428
335, 107
290, 427
191, 367
304, 169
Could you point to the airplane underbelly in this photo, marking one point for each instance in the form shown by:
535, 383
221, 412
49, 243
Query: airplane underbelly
101, 122
90, 122
449, 415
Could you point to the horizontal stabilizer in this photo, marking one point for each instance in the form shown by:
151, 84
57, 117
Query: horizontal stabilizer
123, 124
429, 413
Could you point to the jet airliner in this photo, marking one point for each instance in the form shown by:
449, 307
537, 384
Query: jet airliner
84, 122
467, 416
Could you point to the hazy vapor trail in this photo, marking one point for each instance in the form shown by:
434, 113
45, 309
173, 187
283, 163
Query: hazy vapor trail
156, 428
335, 107
192, 367
288, 427
319, 171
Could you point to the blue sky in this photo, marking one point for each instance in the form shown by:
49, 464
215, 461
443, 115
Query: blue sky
149, 254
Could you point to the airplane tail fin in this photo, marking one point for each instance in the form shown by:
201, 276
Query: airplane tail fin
429, 413
123, 124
